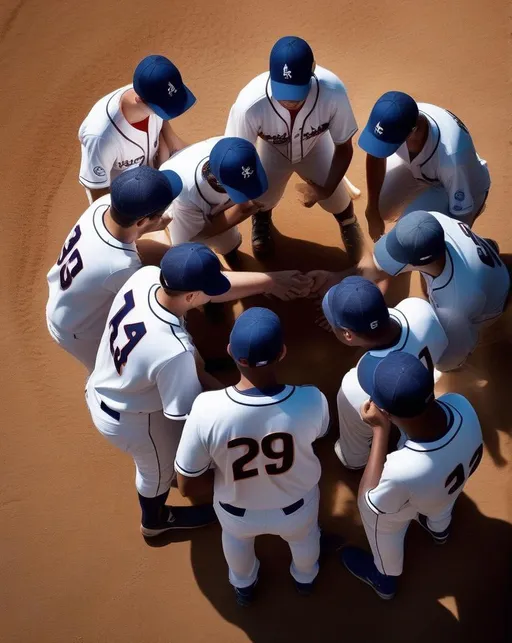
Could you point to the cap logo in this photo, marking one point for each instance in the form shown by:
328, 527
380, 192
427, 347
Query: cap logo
425, 258
374, 324
287, 73
247, 172
171, 89
379, 129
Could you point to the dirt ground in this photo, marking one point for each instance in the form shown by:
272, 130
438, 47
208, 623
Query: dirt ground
73, 565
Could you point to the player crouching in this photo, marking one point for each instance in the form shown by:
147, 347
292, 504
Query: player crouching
258, 438
422, 480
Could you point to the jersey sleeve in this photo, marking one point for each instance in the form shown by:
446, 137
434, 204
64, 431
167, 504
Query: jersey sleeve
324, 427
178, 385
192, 457
389, 496
117, 279
98, 158
241, 123
343, 123
457, 185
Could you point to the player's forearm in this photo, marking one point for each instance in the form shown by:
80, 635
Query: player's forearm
373, 471
97, 194
199, 489
245, 284
226, 220
173, 141
375, 174
340, 162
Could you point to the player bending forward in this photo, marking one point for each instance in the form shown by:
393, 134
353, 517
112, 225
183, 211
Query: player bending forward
147, 372
359, 316
302, 117
130, 127
258, 438
423, 479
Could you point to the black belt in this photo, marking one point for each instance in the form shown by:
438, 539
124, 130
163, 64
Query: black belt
113, 414
238, 511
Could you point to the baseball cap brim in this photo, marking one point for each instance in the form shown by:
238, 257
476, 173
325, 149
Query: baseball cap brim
218, 285
365, 372
370, 144
254, 186
285, 91
326, 307
176, 106
383, 256
175, 182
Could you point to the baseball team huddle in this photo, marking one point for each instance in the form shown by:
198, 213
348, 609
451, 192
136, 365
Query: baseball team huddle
250, 446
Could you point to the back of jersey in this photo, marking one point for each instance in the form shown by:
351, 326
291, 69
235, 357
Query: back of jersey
475, 281
91, 268
261, 445
435, 472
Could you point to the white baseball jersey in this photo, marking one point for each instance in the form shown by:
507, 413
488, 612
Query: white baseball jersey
449, 157
91, 268
327, 109
110, 145
198, 202
145, 361
473, 287
422, 335
427, 477
260, 445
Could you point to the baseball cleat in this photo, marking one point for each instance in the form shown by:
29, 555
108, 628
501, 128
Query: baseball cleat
245, 595
439, 537
360, 564
304, 589
262, 242
181, 518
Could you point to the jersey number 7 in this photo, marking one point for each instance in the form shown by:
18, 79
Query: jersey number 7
286, 454
135, 332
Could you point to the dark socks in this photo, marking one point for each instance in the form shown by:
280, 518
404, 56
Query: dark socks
152, 509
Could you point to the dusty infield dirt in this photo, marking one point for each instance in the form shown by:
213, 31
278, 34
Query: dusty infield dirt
73, 565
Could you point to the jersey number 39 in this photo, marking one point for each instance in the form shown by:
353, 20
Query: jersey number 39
135, 332
285, 454
70, 260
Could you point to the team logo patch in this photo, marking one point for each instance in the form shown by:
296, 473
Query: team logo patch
247, 172
287, 73
459, 195
171, 89
379, 129
99, 171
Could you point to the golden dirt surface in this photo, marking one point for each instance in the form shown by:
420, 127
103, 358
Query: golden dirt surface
73, 566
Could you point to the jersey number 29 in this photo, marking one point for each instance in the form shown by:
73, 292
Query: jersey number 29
135, 332
285, 454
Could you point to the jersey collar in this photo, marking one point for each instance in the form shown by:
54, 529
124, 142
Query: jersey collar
430, 147
205, 190
260, 400
454, 424
305, 109
102, 232
438, 283
159, 311
399, 317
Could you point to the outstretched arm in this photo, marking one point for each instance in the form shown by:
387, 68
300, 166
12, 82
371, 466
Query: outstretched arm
375, 174
285, 284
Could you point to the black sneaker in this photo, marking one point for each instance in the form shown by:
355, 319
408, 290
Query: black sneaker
261, 238
245, 595
304, 589
439, 537
181, 518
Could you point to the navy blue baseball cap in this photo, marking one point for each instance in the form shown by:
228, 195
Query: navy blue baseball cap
237, 167
392, 119
257, 337
416, 240
291, 68
398, 383
143, 191
193, 266
158, 82
356, 304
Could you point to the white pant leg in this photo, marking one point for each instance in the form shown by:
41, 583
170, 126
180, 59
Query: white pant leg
84, 350
224, 242
440, 522
462, 340
150, 438
386, 537
353, 445
241, 558
315, 167
278, 169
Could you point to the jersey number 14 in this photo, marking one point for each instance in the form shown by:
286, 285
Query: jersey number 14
135, 332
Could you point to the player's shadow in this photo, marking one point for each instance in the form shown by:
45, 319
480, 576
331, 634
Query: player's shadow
470, 575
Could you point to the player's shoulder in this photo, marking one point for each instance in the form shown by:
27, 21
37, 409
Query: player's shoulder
253, 93
208, 401
99, 121
308, 394
460, 403
415, 308
329, 81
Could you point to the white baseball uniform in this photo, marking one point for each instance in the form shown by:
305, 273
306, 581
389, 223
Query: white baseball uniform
423, 336
91, 268
198, 202
266, 472
325, 120
421, 478
144, 381
111, 145
459, 179
470, 293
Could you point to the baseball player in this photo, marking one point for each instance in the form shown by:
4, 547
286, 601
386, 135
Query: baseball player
423, 479
258, 438
359, 316
301, 117
147, 373
221, 179
437, 149
129, 127
100, 254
